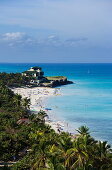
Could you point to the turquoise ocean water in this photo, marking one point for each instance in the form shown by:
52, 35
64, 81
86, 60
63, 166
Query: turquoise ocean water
86, 102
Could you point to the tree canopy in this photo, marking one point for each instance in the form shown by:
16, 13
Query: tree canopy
36, 146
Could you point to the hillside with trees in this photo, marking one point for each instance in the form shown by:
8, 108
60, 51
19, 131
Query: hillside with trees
27, 143
14, 79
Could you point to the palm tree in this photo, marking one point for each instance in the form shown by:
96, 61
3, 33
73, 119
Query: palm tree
102, 156
77, 157
17, 100
41, 116
41, 160
103, 149
65, 141
57, 157
83, 130
49, 153
26, 103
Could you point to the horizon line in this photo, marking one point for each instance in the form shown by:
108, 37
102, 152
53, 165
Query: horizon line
54, 63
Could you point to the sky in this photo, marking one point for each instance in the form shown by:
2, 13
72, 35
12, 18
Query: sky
56, 31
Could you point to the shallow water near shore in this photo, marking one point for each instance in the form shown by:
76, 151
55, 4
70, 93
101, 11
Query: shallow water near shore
86, 102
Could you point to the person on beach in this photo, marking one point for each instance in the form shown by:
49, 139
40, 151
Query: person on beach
58, 130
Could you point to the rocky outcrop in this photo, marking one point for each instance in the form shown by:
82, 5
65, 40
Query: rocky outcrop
56, 81
37, 79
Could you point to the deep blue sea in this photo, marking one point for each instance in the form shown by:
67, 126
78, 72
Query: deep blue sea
86, 102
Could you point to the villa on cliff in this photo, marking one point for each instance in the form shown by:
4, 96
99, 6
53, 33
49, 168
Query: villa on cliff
36, 73
37, 78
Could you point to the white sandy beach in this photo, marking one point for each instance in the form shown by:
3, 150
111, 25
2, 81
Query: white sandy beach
38, 97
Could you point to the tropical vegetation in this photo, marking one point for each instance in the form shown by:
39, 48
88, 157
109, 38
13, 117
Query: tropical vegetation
33, 145
14, 79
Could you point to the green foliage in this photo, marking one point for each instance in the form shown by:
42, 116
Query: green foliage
35, 146
14, 79
56, 78
13, 136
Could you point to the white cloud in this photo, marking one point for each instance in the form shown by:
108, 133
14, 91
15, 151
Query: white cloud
23, 39
13, 36
16, 38
71, 18
76, 41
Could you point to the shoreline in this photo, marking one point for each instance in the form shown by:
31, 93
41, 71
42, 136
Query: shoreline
38, 97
